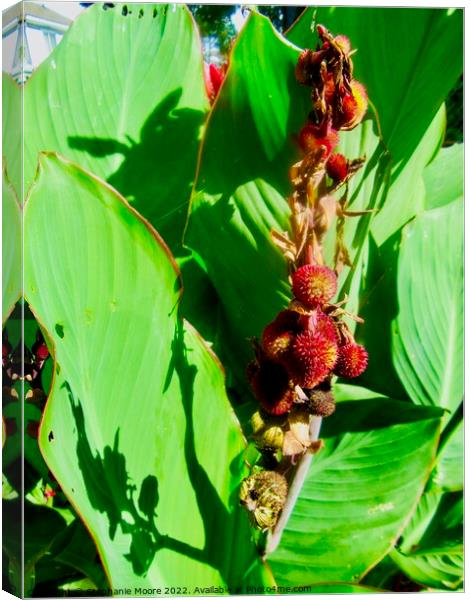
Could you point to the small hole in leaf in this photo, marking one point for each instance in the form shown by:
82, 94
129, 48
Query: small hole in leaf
141, 13
59, 329
107, 5
50, 437
155, 12
125, 10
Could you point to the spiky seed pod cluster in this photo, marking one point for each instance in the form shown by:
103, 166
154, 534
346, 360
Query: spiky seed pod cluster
339, 101
264, 494
304, 346
307, 343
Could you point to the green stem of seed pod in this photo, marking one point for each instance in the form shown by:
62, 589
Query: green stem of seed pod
295, 486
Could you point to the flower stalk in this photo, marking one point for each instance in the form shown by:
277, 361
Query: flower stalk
308, 343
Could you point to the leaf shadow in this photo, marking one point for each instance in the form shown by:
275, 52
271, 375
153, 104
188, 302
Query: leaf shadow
157, 172
133, 509
111, 491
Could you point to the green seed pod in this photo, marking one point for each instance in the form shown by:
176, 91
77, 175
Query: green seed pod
271, 439
257, 423
264, 495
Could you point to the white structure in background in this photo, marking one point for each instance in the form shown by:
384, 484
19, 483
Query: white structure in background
30, 31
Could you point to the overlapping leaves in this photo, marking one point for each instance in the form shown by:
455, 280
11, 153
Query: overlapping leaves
118, 99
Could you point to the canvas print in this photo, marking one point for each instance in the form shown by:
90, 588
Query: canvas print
232, 299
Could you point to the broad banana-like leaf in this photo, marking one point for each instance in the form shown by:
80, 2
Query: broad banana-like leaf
360, 491
448, 474
242, 184
431, 549
401, 50
12, 130
123, 95
428, 340
443, 178
407, 193
11, 249
137, 429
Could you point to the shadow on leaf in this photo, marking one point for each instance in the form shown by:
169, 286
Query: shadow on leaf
157, 172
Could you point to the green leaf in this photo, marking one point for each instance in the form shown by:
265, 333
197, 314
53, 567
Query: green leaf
347, 392
431, 550
448, 474
443, 178
12, 129
400, 52
137, 430
428, 341
407, 194
378, 306
139, 128
11, 249
84, 585
41, 526
360, 491
76, 549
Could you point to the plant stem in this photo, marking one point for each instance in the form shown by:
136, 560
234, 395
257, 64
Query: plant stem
296, 484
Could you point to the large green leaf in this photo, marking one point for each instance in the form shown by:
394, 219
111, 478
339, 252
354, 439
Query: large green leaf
243, 179
448, 473
137, 429
12, 129
443, 178
401, 50
428, 341
242, 184
11, 249
431, 549
123, 95
407, 193
360, 491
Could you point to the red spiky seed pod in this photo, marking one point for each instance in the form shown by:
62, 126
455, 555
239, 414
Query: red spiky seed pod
325, 326
313, 356
314, 285
352, 360
312, 138
279, 335
344, 43
272, 387
337, 167
353, 107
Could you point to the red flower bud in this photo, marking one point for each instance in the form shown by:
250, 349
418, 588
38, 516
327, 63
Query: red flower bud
213, 78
